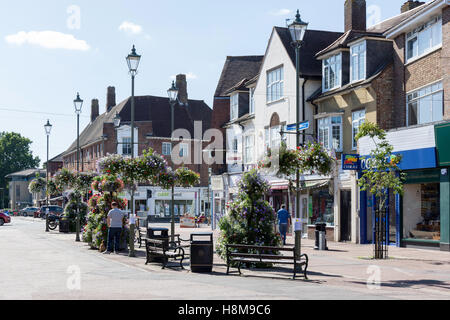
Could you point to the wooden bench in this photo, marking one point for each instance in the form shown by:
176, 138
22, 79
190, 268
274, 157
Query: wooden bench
160, 248
265, 255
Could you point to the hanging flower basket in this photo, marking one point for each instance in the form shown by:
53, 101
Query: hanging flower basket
37, 185
187, 178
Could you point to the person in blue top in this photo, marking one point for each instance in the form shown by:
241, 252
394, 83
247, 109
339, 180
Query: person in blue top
284, 217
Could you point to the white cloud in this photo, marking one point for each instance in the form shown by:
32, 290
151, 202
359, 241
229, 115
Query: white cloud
48, 39
281, 12
189, 76
130, 27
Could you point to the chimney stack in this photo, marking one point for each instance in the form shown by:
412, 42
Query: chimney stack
94, 109
409, 5
110, 98
182, 89
355, 15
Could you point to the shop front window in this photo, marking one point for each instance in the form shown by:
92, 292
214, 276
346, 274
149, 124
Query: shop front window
322, 207
421, 212
181, 207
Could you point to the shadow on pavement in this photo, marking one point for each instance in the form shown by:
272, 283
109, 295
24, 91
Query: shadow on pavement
411, 283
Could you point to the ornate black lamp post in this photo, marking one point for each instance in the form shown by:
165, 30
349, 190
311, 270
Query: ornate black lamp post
298, 30
78, 104
133, 60
48, 129
173, 95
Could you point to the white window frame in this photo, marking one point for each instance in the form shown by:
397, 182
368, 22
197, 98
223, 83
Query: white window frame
184, 150
327, 64
251, 109
358, 118
415, 34
166, 146
358, 59
125, 143
275, 84
249, 143
326, 124
234, 106
419, 95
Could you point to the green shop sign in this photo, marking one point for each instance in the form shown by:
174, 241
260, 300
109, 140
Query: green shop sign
442, 134
423, 176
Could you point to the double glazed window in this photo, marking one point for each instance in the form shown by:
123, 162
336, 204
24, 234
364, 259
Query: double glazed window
358, 118
425, 105
166, 148
330, 132
184, 150
126, 146
424, 39
273, 137
249, 143
358, 62
275, 84
252, 101
332, 68
234, 106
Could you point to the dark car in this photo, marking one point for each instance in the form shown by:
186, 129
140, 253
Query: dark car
53, 210
4, 218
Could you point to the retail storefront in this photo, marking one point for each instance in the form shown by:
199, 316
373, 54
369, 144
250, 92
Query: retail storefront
419, 218
155, 203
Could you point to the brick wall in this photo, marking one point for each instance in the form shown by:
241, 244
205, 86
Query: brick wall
220, 116
384, 90
445, 60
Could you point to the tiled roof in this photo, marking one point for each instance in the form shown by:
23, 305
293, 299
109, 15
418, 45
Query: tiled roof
149, 108
235, 70
313, 42
26, 173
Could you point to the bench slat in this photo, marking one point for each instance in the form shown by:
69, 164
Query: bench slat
262, 256
243, 246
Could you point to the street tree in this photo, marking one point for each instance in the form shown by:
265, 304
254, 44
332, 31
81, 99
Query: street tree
15, 155
382, 175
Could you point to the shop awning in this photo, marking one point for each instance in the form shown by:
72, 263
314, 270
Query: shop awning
313, 184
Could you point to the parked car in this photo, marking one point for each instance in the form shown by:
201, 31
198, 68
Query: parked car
4, 218
53, 210
29, 212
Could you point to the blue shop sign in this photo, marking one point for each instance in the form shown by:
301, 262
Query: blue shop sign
351, 162
411, 159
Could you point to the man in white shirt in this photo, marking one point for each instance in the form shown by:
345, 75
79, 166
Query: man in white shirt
115, 225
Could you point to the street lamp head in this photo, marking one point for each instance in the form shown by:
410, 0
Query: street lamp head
78, 103
117, 120
298, 29
133, 60
173, 93
48, 128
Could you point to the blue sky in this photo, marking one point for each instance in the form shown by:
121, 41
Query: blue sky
47, 54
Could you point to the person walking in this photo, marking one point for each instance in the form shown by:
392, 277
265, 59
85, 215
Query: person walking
115, 224
284, 217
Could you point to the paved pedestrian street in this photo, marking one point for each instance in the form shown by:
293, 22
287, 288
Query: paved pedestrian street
39, 265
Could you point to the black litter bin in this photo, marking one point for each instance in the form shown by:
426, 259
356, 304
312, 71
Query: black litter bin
202, 252
160, 234
321, 232
64, 225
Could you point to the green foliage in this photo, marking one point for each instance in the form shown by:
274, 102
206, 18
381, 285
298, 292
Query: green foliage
95, 231
251, 220
384, 173
15, 155
73, 207
310, 158
37, 185
186, 178
64, 179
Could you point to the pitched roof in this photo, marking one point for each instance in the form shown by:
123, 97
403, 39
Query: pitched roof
388, 24
149, 108
374, 31
26, 173
313, 42
235, 70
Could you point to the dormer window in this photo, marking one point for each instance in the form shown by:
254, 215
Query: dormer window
234, 106
358, 62
332, 72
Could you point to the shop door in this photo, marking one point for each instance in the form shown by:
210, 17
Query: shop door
346, 215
